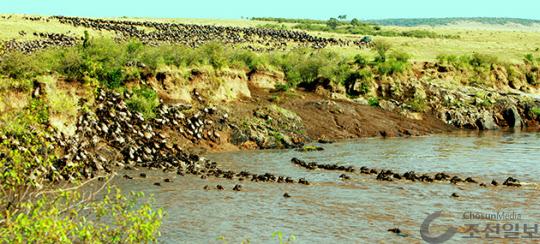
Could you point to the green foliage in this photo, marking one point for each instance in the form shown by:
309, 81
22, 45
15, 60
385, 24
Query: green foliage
373, 101
283, 239
282, 87
353, 27
536, 111
332, 23
482, 60
382, 47
417, 104
355, 22
61, 219
144, 100
361, 60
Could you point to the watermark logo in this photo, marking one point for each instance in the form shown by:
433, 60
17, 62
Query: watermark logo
429, 237
497, 226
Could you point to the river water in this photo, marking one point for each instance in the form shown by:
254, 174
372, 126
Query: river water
362, 209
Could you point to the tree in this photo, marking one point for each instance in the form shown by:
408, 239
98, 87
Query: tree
342, 17
355, 22
332, 23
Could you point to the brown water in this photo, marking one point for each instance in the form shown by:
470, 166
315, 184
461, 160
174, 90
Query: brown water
359, 210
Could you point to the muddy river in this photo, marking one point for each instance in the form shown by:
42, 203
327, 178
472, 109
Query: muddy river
362, 209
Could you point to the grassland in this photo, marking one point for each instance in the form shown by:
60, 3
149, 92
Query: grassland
503, 41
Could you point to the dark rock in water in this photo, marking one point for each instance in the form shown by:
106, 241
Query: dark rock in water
143, 175
205, 187
128, 177
395, 230
373, 171
289, 180
157, 184
455, 195
470, 180
483, 185
237, 188
397, 176
220, 187
494, 182
168, 180
511, 182
286, 195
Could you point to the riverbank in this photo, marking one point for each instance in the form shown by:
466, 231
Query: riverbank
84, 111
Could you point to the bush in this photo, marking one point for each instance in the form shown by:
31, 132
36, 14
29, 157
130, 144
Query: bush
417, 104
62, 219
382, 47
483, 60
536, 111
144, 100
282, 87
373, 101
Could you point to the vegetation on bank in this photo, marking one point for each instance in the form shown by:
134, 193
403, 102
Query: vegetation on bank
29, 164
42, 199
353, 26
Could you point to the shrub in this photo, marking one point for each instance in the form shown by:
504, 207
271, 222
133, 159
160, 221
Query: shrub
400, 56
482, 60
382, 47
373, 101
418, 104
536, 111
282, 87
61, 219
144, 101
360, 60
332, 23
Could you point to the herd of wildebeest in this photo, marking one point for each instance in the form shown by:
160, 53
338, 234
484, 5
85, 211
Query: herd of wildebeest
192, 35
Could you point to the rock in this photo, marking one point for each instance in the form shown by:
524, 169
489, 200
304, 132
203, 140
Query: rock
494, 183
387, 105
157, 184
486, 122
455, 195
395, 230
237, 188
512, 117
168, 180
220, 187
286, 195
128, 177
143, 175
361, 101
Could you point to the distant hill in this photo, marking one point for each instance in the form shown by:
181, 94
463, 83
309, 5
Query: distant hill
448, 21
